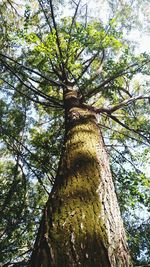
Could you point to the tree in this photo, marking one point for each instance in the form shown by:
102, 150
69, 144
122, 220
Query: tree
74, 74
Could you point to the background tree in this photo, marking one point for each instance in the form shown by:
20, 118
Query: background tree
41, 55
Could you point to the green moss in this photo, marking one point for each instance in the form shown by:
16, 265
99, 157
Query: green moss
77, 228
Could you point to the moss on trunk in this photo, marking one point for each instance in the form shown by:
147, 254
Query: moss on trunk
82, 225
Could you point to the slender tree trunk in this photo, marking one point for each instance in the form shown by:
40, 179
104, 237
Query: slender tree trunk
82, 225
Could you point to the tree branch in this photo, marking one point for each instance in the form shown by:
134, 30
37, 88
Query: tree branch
126, 135
88, 65
29, 165
126, 159
127, 101
45, 15
23, 146
53, 82
99, 70
71, 27
121, 104
127, 127
57, 37
35, 90
118, 74
46, 104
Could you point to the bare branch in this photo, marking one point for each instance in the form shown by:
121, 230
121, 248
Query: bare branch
71, 27
95, 90
15, 11
45, 104
99, 70
126, 135
124, 91
126, 102
79, 53
33, 89
88, 65
57, 83
46, 17
128, 128
30, 166
17, 264
86, 14
120, 105
126, 159
57, 36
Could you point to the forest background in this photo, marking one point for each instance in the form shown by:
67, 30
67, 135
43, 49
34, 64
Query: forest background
115, 34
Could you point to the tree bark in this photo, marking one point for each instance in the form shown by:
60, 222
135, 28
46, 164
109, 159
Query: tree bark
81, 225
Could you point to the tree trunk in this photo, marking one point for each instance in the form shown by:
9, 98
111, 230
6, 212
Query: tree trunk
82, 225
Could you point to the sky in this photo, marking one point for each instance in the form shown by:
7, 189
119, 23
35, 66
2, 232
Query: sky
100, 8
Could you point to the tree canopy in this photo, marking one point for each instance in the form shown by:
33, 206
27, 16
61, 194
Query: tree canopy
45, 45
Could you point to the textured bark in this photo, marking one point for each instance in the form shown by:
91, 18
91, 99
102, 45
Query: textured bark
82, 225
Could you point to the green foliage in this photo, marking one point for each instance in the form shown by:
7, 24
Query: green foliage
16, 202
41, 56
93, 38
